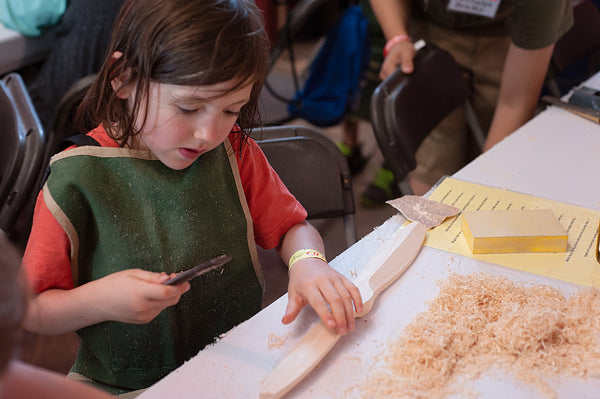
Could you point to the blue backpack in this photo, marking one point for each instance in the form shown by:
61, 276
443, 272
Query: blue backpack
336, 72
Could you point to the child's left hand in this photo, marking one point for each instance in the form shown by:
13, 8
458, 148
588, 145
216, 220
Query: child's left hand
330, 294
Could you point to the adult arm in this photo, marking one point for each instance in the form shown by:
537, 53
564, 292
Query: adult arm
522, 79
392, 16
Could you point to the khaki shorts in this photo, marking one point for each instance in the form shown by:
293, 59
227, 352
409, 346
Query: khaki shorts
448, 146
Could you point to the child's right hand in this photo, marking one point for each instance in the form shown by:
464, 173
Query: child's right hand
129, 296
138, 296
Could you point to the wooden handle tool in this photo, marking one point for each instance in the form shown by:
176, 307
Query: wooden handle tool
390, 261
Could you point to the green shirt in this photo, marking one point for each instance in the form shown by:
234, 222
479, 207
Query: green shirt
532, 24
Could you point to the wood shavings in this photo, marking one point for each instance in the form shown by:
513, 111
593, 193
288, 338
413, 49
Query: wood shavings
276, 341
418, 209
479, 323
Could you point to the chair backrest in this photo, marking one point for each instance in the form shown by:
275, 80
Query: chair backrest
12, 142
314, 170
406, 108
23, 154
62, 126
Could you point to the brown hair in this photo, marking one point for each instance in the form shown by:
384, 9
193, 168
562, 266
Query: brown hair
13, 301
179, 42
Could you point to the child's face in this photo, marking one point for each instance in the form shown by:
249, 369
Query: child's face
183, 122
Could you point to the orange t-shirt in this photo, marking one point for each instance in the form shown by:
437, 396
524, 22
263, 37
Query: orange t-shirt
273, 209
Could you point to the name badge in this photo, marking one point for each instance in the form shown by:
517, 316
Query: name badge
482, 8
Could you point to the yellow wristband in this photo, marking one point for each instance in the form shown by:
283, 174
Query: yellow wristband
303, 254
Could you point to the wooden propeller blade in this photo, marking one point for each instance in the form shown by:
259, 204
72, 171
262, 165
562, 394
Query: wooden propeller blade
390, 261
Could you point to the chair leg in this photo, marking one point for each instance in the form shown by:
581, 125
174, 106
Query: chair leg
350, 229
552, 86
404, 187
474, 126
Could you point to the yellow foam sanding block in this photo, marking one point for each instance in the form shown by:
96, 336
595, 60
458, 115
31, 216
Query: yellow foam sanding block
525, 230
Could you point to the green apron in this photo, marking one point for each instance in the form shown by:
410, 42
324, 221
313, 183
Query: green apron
124, 209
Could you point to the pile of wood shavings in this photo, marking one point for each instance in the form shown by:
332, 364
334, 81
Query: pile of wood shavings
479, 321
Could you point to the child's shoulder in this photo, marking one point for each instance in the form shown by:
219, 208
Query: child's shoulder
241, 142
96, 137
99, 134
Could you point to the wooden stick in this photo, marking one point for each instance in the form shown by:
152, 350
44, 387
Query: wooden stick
393, 258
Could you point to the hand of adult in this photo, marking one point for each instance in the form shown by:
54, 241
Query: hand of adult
401, 55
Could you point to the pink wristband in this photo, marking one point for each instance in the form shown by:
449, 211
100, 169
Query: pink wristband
393, 41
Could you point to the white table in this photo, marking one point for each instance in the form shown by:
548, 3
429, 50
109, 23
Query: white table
555, 156
17, 51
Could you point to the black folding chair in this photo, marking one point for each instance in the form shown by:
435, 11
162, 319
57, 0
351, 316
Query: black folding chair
406, 108
317, 174
63, 125
22, 159
314, 170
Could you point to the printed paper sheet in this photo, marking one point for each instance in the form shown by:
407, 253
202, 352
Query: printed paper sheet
578, 265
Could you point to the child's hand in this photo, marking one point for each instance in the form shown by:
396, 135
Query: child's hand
129, 296
138, 296
314, 281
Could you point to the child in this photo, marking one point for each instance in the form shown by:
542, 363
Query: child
19, 380
174, 182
